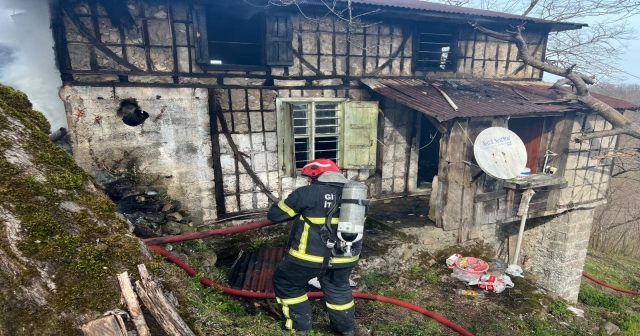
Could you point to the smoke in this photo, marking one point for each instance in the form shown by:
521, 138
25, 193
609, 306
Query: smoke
27, 60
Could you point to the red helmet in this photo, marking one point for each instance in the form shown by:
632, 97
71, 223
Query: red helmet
316, 167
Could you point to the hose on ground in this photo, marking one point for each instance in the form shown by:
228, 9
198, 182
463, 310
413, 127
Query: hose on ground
154, 242
600, 282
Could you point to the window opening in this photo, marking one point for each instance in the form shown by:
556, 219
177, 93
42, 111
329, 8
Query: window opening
234, 35
529, 130
435, 47
316, 132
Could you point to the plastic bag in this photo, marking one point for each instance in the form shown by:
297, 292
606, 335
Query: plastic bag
514, 270
494, 283
464, 276
452, 259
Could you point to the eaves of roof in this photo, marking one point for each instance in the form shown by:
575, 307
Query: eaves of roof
420, 9
479, 98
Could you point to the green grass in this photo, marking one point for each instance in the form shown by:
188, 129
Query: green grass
560, 308
407, 327
596, 298
616, 270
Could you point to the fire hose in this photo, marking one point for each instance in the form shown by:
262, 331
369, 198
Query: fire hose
600, 282
154, 242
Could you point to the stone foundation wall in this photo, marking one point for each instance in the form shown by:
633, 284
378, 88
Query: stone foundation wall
554, 250
171, 150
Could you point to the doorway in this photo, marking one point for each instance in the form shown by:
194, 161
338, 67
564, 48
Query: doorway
429, 153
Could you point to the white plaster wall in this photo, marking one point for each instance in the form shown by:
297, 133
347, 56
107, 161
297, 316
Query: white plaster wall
173, 146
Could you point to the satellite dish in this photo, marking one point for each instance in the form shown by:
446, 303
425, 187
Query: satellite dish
500, 153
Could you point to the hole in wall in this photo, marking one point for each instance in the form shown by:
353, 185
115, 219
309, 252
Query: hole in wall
131, 113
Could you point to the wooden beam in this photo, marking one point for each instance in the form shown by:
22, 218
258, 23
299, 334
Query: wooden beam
215, 154
394, 55
95, 41
131, 300
154, 299
490, 196
245, 164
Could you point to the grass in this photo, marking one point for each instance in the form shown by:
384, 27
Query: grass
213, 313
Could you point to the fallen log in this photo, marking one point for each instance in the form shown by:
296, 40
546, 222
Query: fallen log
154, 299
131, 300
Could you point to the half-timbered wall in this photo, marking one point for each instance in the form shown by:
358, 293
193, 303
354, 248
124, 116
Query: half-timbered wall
161, 49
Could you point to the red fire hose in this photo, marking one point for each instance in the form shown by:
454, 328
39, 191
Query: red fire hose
600, 282
152, 242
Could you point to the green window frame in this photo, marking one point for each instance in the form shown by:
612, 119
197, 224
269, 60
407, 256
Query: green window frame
334, 128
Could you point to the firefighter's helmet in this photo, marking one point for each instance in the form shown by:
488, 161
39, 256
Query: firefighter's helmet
314, 168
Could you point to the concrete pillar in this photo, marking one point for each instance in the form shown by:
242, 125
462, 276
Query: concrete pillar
555, 248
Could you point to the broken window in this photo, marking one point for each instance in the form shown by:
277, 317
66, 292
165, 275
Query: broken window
434, 47
529, 130
232, 32
309, 129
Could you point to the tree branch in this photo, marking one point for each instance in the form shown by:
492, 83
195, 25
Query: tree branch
580, 82
601, 134
531, 7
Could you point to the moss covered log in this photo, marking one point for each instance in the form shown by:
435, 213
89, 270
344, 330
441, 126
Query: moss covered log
61, 244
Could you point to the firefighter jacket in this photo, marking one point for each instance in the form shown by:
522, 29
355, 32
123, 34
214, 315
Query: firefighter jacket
306, 246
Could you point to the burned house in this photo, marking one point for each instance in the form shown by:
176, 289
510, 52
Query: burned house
240, 94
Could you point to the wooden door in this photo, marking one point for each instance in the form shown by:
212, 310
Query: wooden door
530, 131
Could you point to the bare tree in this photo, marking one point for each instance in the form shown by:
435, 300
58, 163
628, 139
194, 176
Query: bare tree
579, 90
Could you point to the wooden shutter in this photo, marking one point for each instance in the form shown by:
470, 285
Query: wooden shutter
286, 156
359, 135
278, 41
199, 15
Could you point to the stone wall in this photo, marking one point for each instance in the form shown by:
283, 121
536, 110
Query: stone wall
171, 150
554, 250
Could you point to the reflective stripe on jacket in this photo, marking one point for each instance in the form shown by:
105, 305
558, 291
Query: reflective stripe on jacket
306, 246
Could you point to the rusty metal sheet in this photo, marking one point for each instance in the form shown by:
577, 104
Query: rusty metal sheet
542, 91
478, 98
253, 270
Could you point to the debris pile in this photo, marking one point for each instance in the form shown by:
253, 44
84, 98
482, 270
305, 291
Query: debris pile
477, 272
149, 213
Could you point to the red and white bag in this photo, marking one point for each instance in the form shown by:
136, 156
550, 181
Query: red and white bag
494, 283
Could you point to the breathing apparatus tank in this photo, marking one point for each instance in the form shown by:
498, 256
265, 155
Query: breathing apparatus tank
353, 206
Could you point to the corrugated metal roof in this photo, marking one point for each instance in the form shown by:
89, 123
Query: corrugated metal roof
253, 270
541, 91
436, 9
477, 98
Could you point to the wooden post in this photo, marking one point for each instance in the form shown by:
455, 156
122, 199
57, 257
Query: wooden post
165, 314
131, 300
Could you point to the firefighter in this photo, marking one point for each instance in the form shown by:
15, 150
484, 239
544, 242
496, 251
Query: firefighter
310, 205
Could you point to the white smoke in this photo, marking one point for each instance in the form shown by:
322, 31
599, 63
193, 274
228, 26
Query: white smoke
24, 28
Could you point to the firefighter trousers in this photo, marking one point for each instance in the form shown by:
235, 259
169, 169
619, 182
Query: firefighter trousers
289, 281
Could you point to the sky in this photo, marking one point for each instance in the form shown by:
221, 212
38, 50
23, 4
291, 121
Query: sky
631, 64
32, 69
